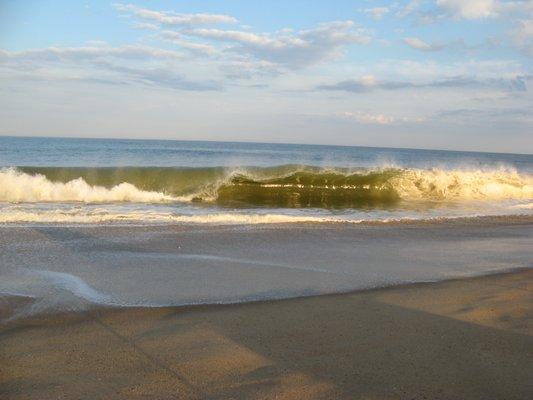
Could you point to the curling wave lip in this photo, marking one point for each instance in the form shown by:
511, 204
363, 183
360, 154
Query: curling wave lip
281, 187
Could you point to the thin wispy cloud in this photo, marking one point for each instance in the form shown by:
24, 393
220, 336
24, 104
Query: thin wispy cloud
482, 9
518, 83
182, 41
367, 118
377, 12
407, 9
421, 45
285, 47
103, 64
470, 9
300, 49
522, 36
91, 52
175, 19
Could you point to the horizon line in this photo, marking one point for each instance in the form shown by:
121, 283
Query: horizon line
263, 143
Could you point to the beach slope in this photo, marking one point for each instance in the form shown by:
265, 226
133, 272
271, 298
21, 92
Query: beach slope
470, 339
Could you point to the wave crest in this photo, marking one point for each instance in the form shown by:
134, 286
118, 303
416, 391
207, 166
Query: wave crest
17, 186
284, 186
436, 184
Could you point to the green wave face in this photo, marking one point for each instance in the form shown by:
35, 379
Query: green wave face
172, 181
310, 189
286, 186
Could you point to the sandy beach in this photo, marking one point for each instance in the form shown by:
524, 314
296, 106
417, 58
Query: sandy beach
468, 339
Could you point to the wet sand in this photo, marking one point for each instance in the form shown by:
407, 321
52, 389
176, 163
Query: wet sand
459, 339
176, 265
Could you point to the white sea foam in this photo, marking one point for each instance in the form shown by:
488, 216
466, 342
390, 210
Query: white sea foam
110, 214
80, 216
527, 206
76, 286
17, 186
439, 184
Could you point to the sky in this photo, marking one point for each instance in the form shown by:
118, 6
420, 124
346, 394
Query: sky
443, 74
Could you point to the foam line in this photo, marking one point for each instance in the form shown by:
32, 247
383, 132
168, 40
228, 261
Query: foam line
76, 286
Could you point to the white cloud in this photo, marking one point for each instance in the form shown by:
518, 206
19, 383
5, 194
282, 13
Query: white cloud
518, 8
92, 52
479, 9
375, 118
193, 47
175, 19
421, 45
430, 70
285, 47
408, 9
240, 36
243, 55
146, 25
366, 118
525, 29
301, 49
377, 12
368, 80
470, 9
102, 64
243, 68
522, 36
366, 84
491, 115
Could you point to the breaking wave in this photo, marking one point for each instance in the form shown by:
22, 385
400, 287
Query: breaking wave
284, 186
17, 186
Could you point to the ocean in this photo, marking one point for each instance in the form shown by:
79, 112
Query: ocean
170, 223
56, 180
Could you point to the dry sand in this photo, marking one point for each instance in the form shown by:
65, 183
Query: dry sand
462, 339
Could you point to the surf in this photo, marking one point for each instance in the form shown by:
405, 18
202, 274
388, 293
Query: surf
286, 186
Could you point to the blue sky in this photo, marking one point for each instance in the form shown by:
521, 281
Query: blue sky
450, 74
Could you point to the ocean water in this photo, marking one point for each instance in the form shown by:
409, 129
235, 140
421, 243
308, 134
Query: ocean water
171, 223
95, 181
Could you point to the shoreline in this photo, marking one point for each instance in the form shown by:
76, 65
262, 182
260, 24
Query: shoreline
15, 299
460, 338
517, 219
71, 267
